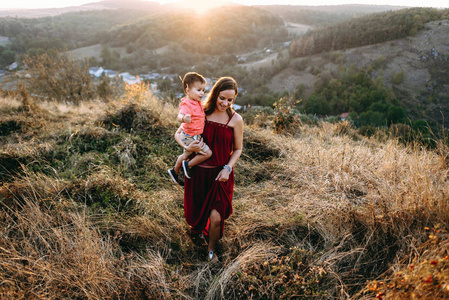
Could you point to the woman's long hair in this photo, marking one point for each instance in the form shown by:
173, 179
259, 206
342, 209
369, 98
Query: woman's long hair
222, 84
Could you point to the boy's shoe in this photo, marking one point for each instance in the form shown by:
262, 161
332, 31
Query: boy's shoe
185, 167
173, 175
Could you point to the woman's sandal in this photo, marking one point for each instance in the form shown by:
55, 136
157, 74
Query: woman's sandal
213, 258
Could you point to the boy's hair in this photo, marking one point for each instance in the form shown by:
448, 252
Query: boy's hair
190, 78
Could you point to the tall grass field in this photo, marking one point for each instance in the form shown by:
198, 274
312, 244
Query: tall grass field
87, 210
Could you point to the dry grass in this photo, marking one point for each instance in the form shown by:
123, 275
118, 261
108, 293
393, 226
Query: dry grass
368, 200
9, 103
316, 214
255, 254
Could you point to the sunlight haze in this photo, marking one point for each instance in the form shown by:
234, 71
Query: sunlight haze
32, 4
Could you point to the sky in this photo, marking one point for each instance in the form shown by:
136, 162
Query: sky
65, 3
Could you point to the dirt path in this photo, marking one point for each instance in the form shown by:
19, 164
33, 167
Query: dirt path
266, 62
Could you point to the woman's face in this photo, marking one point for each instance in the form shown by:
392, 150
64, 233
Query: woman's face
225, 99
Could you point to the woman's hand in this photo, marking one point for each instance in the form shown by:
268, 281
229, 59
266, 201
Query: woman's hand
223, 175
195, 146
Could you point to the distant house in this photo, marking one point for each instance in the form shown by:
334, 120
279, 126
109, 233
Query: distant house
237, 107
128, 78
110, 73
241, 59
144, 76
96, 71
153, 87
150, 76
12, 66
22, 74
343, 116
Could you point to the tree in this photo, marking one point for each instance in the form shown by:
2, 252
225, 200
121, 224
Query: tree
316, 104
59, 77
164, 85
396, 114
372, 118
421, 126
8, 57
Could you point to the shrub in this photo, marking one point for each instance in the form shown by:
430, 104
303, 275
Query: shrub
398, 78
309, 119
105, 191
332, 119
260, 116
396, 114
130, 117
344, 127
136, 93
367, 130
59, 77
425, 276
285, 120
109, 88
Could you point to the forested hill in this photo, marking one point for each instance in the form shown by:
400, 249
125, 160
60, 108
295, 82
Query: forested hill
367, 30
69, 30
221, 31
137, 5
324, 15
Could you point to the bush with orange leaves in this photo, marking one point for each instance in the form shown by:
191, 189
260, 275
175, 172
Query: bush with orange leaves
426, 276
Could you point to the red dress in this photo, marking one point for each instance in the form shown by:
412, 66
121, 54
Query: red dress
202, 193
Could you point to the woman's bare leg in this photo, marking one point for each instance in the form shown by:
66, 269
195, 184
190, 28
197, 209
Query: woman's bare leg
214, 231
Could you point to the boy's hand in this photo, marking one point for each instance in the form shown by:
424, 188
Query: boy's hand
186, 119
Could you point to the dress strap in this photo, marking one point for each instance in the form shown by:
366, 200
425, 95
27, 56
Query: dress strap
230, 118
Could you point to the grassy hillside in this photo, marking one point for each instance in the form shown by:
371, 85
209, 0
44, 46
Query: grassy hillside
88, 211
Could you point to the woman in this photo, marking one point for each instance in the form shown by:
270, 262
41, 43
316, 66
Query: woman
208, 194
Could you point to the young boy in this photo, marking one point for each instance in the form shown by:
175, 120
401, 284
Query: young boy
192, 116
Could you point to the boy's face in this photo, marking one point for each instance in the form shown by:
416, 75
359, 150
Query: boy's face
196, 91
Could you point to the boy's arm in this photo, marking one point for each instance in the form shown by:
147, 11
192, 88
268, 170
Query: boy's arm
184, 116
178, 136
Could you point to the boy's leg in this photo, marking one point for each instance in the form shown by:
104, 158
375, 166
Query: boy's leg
199, 158
178, 164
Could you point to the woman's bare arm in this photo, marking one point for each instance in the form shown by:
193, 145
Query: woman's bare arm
238, 148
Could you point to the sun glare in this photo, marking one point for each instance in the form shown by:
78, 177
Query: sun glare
200, 6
